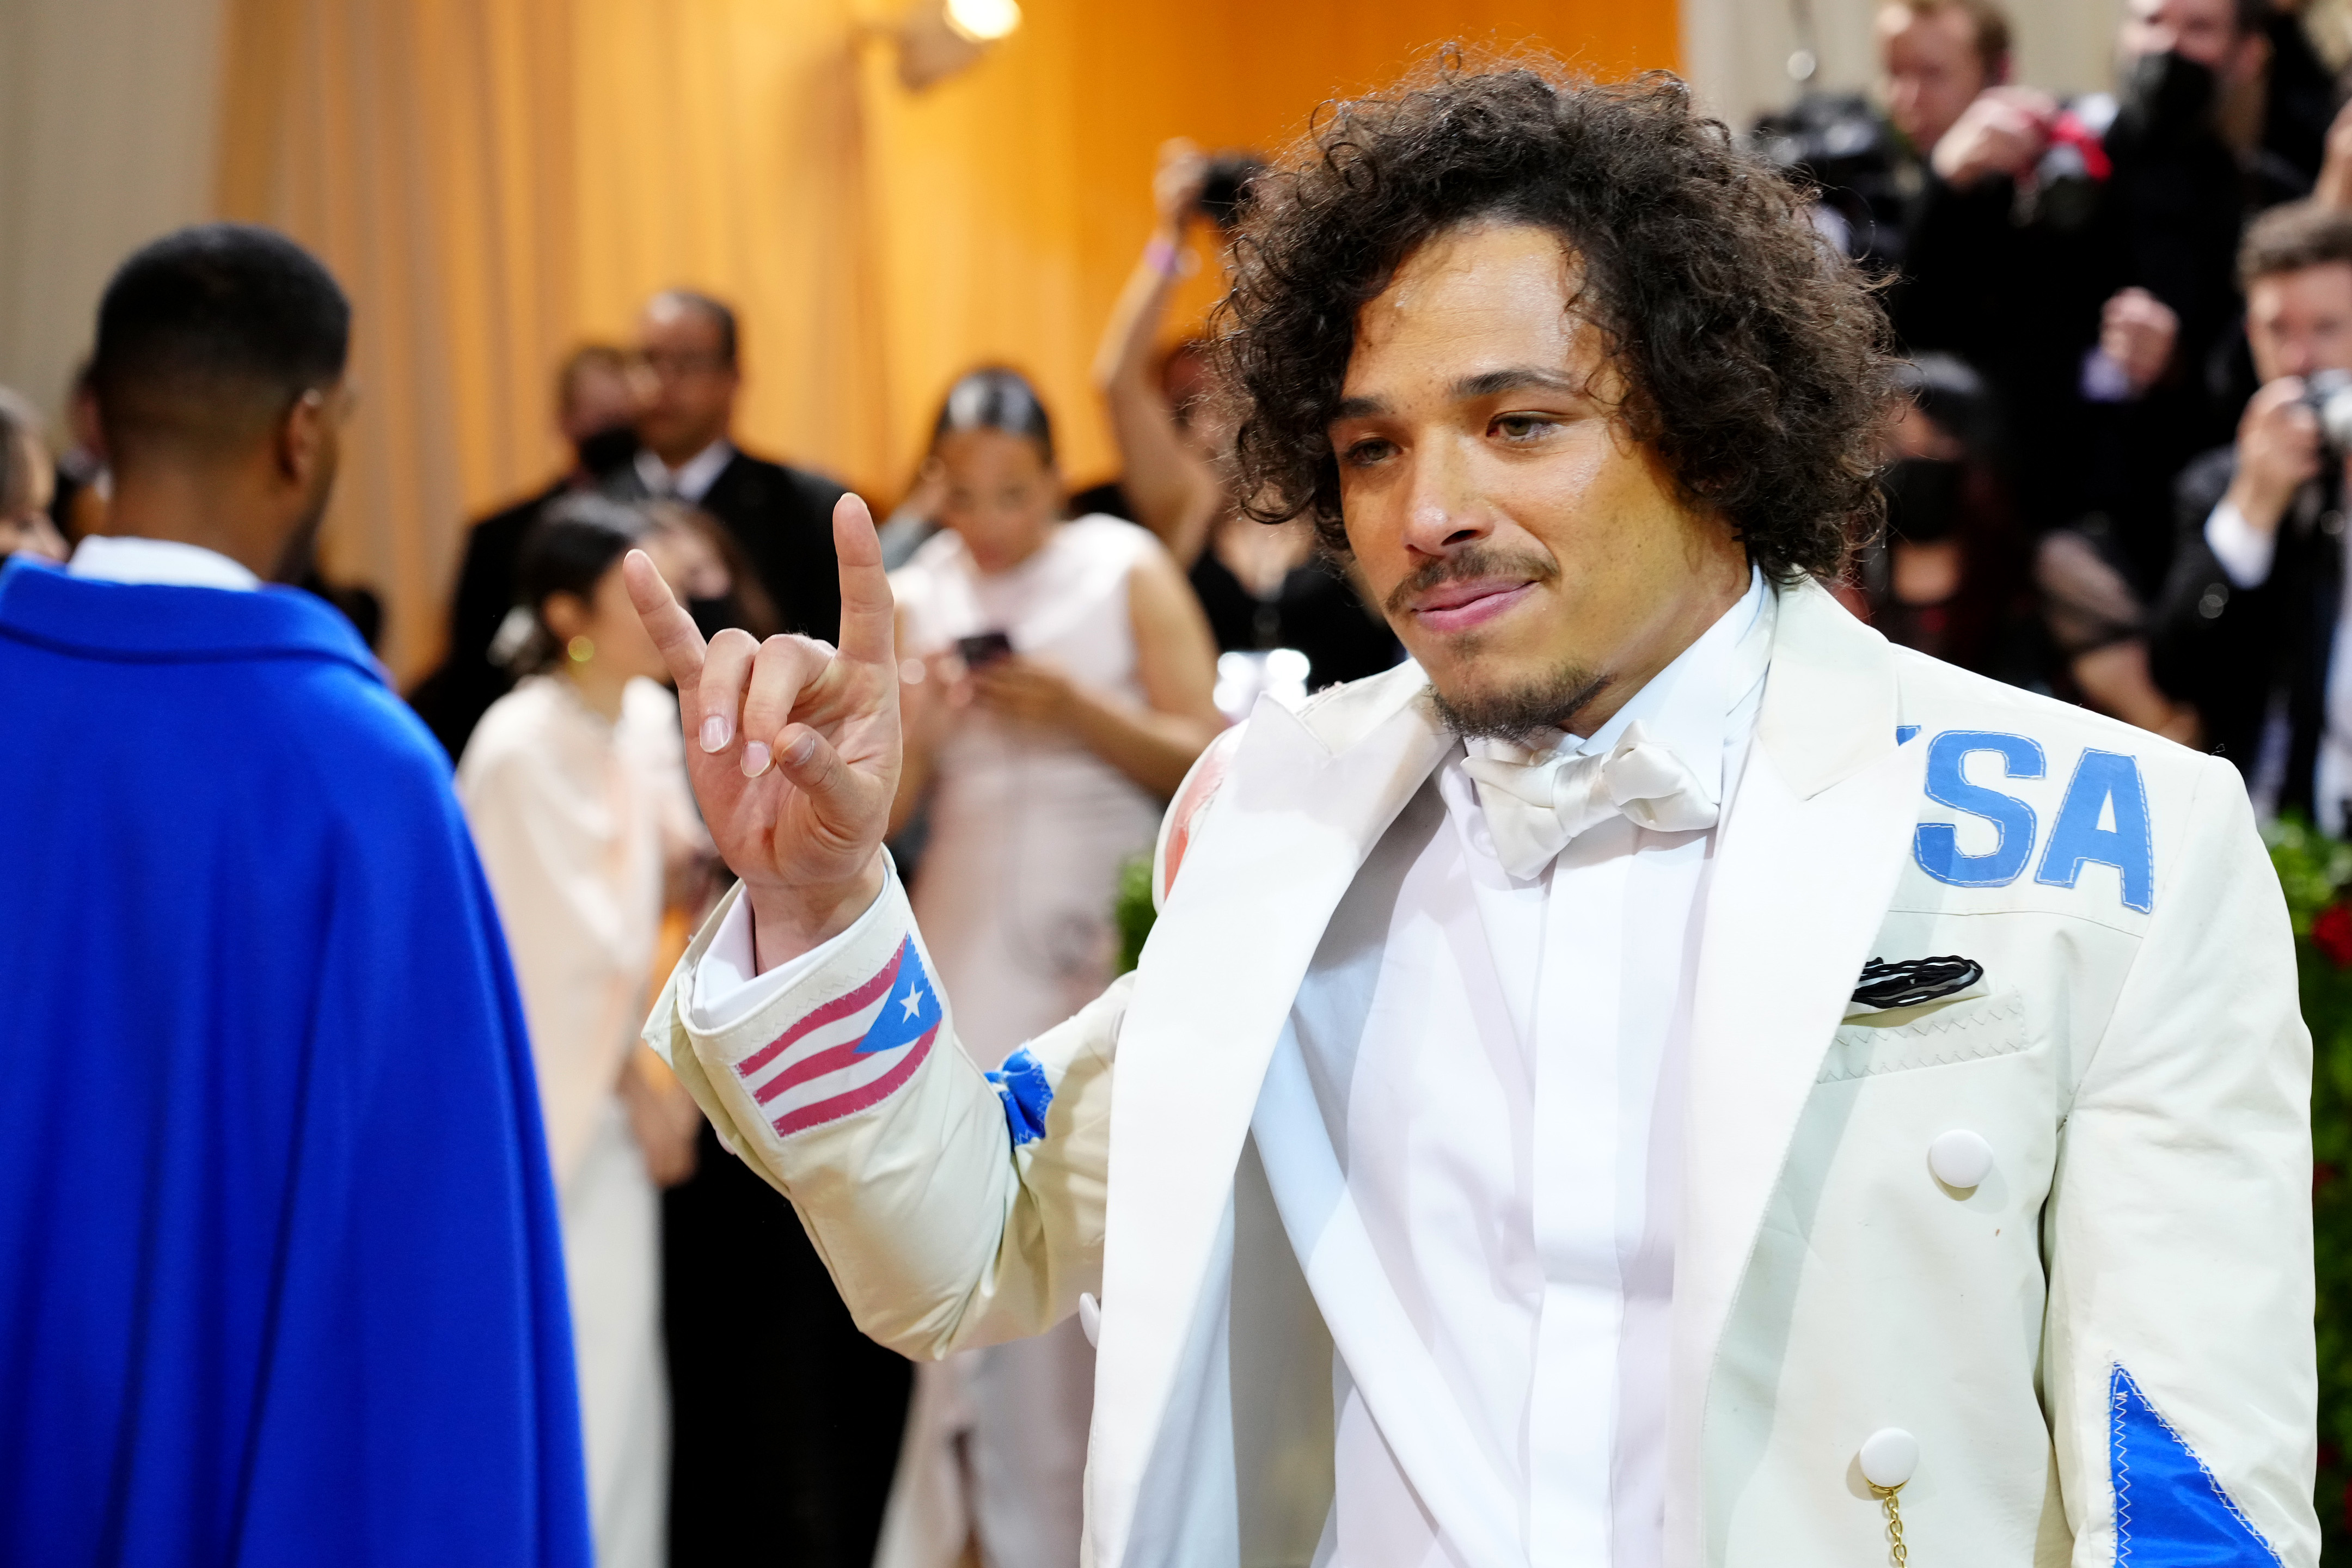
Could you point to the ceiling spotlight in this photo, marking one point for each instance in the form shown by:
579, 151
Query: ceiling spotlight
940, 39
983, 21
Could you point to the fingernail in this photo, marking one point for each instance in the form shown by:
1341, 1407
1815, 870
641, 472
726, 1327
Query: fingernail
801, 750
755, 759
714, 732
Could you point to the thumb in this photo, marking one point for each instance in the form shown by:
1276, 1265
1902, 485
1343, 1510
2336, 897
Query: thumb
811, 765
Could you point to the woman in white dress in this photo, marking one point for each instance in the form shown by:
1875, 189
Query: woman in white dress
575, 788
1067, 686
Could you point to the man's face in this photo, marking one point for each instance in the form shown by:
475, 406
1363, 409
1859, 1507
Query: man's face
601, 396
2205, 31
693, 392
2301, 321
1932, 70
1532, 556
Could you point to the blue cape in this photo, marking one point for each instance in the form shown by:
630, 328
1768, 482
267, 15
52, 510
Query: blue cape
281, 1280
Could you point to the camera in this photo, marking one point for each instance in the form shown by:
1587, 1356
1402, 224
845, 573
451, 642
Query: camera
2328, 394
1845, 149
1225, 187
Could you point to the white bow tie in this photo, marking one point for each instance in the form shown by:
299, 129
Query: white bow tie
1533, 809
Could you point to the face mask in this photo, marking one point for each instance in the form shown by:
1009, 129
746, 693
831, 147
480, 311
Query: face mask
606, 450
2166, 95
1923, 499
712, 616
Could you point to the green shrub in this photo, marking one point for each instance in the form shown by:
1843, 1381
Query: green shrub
2314, 871
1133, 911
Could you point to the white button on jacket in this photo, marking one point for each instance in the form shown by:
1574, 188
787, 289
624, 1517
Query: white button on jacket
1889, 1457
1960, 1158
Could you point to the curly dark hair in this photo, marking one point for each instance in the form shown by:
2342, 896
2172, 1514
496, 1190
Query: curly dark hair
1754, 356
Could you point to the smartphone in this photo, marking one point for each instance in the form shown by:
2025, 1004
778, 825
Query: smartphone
984, 649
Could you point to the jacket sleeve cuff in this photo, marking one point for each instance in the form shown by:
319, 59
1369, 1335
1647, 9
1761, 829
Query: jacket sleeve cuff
727, 987
839, 1031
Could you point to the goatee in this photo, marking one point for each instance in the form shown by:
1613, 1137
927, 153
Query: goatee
1549, 704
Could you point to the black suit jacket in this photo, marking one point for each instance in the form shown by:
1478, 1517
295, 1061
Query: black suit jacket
2232, 651
784, 519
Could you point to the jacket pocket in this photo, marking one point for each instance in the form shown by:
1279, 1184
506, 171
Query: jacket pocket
1962, 1031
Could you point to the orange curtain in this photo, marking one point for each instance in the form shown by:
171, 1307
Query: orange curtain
495, 180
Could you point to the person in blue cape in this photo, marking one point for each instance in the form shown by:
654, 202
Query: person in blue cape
280, 1279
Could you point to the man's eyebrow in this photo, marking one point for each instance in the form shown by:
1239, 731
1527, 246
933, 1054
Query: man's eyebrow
1488, 382
1358, 408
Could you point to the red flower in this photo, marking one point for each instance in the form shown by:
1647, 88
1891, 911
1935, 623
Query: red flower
2331, 932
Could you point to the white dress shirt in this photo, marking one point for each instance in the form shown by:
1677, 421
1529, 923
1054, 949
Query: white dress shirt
690, 481
1472, 1129
2245, 554
127, 558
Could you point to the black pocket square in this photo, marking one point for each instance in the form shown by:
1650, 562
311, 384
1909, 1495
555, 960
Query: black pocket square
1912, 981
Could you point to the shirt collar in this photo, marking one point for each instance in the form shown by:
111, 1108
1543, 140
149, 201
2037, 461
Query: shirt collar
128, 558
691, 479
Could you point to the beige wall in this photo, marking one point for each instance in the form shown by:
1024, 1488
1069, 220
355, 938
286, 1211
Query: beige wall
107, 114
1736, 52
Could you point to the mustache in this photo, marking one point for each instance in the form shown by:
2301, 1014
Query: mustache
1476, 561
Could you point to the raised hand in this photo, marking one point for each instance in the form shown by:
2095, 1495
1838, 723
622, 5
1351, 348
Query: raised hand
792, 746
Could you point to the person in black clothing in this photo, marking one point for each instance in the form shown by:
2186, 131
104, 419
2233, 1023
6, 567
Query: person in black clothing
2250, 625
1263, 588
781, 516
2082, 257
597, 393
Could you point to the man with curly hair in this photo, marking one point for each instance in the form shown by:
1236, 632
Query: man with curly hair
1664, 1077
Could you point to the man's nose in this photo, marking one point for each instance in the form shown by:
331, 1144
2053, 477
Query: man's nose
1443, 511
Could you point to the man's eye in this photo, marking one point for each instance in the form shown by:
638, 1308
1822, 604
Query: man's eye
1364, 454
1522, 426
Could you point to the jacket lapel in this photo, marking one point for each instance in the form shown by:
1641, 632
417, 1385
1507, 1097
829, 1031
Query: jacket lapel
1293, 823
1805, 868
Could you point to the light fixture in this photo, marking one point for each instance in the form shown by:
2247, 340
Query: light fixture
983, 21
940, 39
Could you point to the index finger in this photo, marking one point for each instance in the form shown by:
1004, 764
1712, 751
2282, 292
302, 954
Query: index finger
666, 622
868, 629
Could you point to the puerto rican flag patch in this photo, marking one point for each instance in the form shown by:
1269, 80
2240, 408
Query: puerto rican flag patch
851, 1053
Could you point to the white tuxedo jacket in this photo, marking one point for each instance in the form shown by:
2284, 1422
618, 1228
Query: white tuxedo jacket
2102, 1348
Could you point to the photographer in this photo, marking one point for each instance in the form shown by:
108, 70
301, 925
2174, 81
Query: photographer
2249, 629
2102, 301
1263, 587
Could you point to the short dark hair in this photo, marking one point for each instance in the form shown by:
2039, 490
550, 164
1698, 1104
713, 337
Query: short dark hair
1988, 25
2291, 236
995, 398
718, 312
210, 332
575, 541
1755, 358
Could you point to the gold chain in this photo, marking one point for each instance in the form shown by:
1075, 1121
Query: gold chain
1896, 1551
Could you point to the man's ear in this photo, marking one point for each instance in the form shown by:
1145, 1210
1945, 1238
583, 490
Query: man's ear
565, 613
304, 436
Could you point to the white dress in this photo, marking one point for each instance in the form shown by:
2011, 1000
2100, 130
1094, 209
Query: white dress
1015, 897
573, 817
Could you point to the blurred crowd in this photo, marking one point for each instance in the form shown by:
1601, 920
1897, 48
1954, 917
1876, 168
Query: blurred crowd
2119, 477
1066, 657
2128, 319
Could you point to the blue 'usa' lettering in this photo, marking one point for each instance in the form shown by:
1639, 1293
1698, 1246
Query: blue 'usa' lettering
2103, 818
1936, 844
